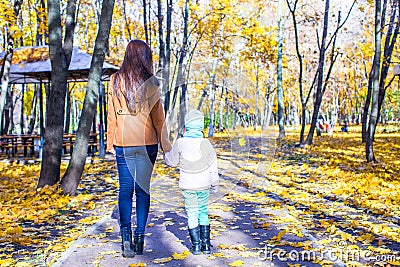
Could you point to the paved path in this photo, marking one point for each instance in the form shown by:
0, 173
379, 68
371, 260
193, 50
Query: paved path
241, 224
237, 236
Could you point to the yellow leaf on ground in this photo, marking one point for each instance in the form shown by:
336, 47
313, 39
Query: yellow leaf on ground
237, 263
7, 262
180, 256
396, 263
242, 141
279, 236
246, 254
14, 230
111, 252
109, 229
162, 260
89, 220
379, 250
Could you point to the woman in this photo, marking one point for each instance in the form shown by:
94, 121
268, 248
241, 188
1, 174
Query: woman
135, 127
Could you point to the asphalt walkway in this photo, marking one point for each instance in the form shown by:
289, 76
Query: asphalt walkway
241, 218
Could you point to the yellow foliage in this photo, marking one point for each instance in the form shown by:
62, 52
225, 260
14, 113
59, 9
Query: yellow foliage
237, 263
29, 55
242, 141
89, 220
25, 210
7, 262
180, 256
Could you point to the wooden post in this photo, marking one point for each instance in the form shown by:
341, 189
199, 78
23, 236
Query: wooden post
22, 109
101, 130
41, 117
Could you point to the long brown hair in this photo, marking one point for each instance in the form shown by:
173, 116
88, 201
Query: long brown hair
136, 68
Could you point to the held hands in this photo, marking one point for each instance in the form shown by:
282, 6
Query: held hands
215, 185
214, 189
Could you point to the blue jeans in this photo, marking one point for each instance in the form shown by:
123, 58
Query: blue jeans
135, 166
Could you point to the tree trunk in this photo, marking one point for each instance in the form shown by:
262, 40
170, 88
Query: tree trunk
60, 57
227, 109
257, 98
303, 122
166, 86
281, 105
390, 41
32, 117
212, 92
269, 100
70, 181
180, 81
39, 16
303, 100
367, 104
149, 29
375, 75
68, 112
126, 20
321, 64
146, 32
212, 107
221, 110
161, 60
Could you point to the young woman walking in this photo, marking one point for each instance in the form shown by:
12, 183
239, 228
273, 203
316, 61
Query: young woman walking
135, 127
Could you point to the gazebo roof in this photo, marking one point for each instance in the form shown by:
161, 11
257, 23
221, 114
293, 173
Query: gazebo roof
32, 65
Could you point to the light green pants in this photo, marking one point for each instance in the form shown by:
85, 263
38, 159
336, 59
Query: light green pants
196, 205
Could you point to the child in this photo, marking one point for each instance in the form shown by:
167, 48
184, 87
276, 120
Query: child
198, 172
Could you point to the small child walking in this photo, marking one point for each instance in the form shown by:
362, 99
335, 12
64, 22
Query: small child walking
198, 173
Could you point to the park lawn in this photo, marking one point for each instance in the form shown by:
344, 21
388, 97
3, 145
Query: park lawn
337, 196
328, 187
337, 166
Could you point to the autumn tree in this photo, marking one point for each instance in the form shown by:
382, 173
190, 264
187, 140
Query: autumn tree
70, 181
9, 18
60, 58
281, 119
377, 84
321, 79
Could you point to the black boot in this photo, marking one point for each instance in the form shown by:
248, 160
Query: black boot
127, 247
139, 241
205, 239
195, 239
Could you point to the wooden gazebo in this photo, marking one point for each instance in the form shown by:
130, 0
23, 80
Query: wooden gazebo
32, 65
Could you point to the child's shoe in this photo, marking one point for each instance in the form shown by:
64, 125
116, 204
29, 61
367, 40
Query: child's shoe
195, 239
205, 239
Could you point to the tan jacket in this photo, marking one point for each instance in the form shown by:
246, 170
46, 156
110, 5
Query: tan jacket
146, 127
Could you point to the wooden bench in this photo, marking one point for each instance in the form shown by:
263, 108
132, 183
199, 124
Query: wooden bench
13, 145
